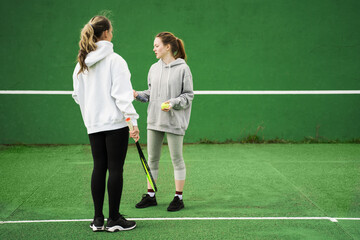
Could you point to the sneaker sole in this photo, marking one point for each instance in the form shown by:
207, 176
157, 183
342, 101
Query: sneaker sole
119, 228
97, 229
152, 205
174, 210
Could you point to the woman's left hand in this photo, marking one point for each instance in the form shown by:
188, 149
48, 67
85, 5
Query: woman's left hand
166, 106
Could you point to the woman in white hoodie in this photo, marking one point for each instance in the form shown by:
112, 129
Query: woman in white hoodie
103, 90
170, 94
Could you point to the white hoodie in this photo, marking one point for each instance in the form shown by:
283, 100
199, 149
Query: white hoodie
104, 92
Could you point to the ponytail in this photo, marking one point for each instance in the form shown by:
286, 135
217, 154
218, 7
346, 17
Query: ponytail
177, 45
181, 50
86, 44
90, 34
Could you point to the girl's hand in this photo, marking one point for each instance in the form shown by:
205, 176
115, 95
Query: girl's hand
135, 134
166, 106
135, 93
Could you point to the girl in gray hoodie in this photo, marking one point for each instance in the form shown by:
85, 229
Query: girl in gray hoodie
169, 93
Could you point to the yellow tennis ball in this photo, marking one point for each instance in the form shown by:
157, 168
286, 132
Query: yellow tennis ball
165, 105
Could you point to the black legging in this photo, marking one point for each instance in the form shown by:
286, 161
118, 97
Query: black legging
109, 151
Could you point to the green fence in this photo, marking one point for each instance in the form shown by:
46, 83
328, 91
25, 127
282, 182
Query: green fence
231, 45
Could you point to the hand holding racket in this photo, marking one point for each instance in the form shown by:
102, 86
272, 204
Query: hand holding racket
134, 133
142, 157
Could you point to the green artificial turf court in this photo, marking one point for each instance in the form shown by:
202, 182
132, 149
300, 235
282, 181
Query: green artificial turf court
243, 181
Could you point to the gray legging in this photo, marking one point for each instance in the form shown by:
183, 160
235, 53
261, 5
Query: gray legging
175, 142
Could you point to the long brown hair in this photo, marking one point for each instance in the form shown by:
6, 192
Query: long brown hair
90, 34
176, 44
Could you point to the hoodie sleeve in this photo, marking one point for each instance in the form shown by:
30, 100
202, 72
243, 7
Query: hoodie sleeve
121, 89
76, 83
144, 96
187, 93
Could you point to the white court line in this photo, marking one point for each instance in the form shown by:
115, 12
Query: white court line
348, 219
191, 219
301, 92
35, 92
292, 92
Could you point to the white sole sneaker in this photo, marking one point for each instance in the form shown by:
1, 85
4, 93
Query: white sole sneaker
117, 228
96, 229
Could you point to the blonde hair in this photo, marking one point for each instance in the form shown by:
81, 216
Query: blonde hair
90, 34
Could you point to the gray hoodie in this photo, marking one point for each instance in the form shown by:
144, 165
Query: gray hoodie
172, 82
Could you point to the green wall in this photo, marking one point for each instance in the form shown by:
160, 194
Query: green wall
231, 45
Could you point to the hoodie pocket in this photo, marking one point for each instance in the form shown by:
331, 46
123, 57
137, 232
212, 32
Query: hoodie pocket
178, 118
151, 114
157, 117
173, 119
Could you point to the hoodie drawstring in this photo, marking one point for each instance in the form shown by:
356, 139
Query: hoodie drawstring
167, 81
159, 87
167, 88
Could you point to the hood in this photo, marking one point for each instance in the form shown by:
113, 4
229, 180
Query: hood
178, 61
104, 48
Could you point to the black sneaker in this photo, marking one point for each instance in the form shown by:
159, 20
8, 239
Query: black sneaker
146, 201
176, 205
119, 225
97, 224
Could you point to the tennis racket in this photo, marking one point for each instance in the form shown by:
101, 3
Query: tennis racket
143, 159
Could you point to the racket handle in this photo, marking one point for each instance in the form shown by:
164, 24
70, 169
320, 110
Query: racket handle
130, 124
